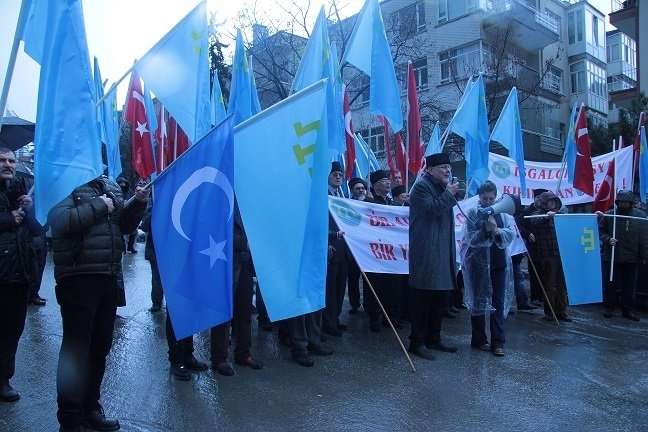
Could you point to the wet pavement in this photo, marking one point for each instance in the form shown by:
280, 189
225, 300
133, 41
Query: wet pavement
582, 376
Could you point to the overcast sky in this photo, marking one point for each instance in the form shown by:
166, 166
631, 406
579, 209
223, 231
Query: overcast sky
119, 31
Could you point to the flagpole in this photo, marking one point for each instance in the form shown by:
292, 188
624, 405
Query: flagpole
614, 211
12, 59
564, 159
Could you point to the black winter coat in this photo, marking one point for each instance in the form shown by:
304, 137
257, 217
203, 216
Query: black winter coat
86, 239
18, 262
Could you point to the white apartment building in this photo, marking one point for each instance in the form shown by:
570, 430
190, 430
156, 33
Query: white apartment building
553, 51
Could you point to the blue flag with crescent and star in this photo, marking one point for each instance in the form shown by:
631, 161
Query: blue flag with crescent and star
578, 242
192, 225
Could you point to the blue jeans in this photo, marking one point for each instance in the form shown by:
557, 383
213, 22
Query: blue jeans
498, 281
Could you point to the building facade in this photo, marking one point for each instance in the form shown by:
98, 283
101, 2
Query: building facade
553, 51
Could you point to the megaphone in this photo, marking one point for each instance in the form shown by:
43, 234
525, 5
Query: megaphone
508, 203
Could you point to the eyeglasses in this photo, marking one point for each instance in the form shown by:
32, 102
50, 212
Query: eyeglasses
336, 174
6, 160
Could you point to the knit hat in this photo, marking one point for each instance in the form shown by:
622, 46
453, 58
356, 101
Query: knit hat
537, 192
397, 190
437, 159
355, 180
335, 166
624, 195
376, 176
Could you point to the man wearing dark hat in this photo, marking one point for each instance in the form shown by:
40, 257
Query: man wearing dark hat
336, 269
381, 282
432, 268
381, 187
553, 277
399, 195
526, 231
630, 244
358, 191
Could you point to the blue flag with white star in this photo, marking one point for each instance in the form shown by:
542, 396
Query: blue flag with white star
193, 224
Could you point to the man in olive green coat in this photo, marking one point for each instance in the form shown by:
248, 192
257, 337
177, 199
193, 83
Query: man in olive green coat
432, 269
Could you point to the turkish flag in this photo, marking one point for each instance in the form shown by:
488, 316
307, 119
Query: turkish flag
178, 141
583, 172
349, 155
142, 150
161, 140
401, 156
604, 199
416, 150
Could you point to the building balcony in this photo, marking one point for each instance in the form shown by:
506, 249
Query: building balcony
623, 16
531, 29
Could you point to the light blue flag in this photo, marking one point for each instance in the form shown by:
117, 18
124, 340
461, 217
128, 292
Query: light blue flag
240, 98
111, 127
368, 50
176, 70
508, 132
365, 157
108, 124
578, 242
217, 103
570, 144
254, 94
320, 61
434, 146
289, 238
67, 146
643, 165
99, 91
32, 24
193, 227
471, 123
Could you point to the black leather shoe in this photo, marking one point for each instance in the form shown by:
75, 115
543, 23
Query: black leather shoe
8, 393
526, 307
180, 372
155, 308
250, 362
224, 368
607, 314
630, 316
565, 318
440, 346
319, 350
193, 364
96, 419
423, 352
132, 250
37, 300
304, 360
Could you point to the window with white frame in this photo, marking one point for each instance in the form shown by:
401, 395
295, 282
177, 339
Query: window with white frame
578, 76
451, 9
376, 140
410, 20
461, 62
575, 26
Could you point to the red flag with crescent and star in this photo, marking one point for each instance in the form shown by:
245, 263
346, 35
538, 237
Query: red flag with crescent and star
583, 172
604, 199
142, 150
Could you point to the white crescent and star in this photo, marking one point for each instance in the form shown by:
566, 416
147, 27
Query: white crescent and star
206, 174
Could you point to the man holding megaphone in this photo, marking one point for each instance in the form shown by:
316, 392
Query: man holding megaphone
487, 268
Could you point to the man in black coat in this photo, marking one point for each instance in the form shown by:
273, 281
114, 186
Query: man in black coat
17, 266
87, 228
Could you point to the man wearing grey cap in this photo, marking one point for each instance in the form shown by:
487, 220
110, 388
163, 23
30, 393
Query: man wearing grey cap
432, 272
